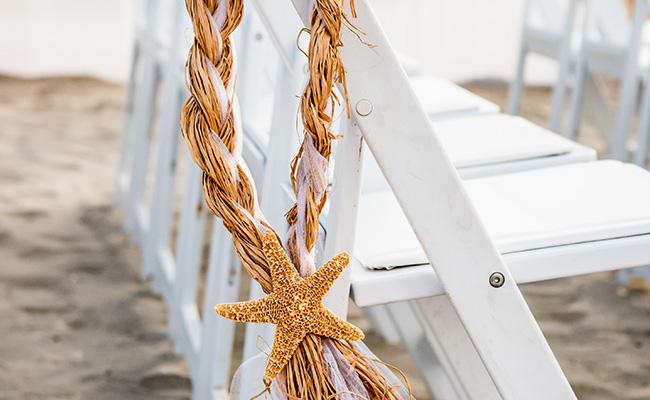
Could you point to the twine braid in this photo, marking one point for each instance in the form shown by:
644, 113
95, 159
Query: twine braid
212, 130
317, 110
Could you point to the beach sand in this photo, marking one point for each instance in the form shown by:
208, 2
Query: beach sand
79, 323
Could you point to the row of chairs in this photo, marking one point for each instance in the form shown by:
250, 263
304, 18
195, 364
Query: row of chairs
544, 201
566, 251
591, 39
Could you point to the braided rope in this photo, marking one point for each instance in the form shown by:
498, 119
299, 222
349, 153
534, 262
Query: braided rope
309, 169
211, 126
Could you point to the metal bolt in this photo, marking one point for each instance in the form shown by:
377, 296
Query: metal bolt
497, 280
258, 36
364, 108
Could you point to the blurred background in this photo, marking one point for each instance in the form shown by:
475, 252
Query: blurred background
79, 322
472, 40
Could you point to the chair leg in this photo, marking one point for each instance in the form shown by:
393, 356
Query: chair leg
258, 337
439, 331
382, 324
126, 136
217, 334
516, 87
143, 115
577, 100
627, 103
432, 370
189, 241
644, 128
629, 84
558, 96
161, 210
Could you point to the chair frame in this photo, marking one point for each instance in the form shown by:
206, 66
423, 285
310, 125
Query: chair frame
401, 138
615, 56
554, 43
497, 322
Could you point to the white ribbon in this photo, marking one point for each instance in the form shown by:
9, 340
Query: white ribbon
312, 173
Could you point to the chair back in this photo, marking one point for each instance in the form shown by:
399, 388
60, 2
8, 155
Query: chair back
607, 21
547, 15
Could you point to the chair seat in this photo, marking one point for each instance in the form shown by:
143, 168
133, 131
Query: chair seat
491, 144
567, 213
498, 138
441, 98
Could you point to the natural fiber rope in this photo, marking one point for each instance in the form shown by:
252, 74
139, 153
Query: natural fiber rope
212, 129
317, 110
210, 121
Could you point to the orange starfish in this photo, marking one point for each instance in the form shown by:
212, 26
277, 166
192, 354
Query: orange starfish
295, 305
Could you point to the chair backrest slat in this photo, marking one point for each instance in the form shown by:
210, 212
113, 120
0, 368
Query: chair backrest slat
608, 22
546, 14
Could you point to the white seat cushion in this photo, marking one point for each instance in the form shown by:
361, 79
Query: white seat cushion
495, 138
529, 210
489, 139
441, 98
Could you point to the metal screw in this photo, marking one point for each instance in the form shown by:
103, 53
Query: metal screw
497, 280
364, 108
258, 36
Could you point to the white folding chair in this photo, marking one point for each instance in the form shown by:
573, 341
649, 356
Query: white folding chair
532, 146
126, 136
174, 262
152, 53
570, 235
194, 337
526, 146
156, 249
613, 45
549, 29
563, 221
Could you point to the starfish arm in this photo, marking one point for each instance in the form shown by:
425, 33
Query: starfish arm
321, 281
282, 270
264, 310
287, 339
331, 326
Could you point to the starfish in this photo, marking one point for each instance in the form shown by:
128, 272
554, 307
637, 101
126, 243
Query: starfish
295, 305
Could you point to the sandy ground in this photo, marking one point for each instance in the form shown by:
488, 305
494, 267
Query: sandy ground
78, 323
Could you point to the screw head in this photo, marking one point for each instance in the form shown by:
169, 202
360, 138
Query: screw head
497, 280
364, 108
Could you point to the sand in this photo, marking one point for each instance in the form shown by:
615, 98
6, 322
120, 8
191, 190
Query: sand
79, 323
